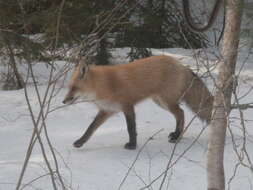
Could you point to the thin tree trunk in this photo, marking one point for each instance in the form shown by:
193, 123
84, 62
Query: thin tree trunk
222, 99
19, 82
19, 79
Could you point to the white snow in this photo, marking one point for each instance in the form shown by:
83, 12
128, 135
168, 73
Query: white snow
102, 163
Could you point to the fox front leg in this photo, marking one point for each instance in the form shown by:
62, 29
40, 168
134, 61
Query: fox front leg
131, 128
100, 118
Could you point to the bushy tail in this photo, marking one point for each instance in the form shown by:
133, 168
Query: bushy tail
199, 99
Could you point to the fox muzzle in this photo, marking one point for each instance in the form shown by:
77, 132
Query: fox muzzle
68, 100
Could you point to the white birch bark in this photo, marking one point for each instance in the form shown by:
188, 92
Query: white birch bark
222, 99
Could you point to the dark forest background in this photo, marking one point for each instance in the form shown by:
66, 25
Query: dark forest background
28, 29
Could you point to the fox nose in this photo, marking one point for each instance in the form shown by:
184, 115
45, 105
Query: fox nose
67, 100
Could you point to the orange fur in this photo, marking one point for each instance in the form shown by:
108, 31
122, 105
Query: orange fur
161, 78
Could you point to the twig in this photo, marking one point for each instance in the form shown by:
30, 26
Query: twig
137, 156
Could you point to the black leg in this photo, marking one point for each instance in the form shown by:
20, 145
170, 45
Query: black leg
131, 128
173, 136
179, 115
99, 119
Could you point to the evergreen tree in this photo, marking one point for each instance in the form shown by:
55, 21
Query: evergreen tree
157, 24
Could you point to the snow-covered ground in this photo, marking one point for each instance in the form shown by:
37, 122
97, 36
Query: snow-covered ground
103, 163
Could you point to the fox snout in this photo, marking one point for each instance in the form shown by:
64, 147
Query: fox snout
71, 97
68, 100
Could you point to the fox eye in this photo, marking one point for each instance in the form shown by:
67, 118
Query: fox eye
74, 88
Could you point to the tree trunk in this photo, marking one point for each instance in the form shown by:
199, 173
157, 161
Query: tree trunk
19, 80
222, 99
11, 83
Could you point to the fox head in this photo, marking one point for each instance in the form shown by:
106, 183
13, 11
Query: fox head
79, 85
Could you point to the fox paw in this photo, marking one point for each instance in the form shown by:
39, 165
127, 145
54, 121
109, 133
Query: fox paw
130, 146
78, 144
174, 137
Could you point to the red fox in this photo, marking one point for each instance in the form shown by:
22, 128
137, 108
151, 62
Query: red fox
118, 88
